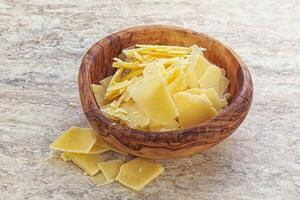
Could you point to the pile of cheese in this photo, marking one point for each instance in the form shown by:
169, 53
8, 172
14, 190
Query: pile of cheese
84, 146
159, 88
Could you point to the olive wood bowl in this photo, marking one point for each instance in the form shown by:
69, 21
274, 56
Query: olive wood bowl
97, 64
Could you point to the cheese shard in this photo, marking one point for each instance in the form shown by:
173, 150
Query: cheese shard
110, 169
87, 162
170, 126
152, 96
99, 179
76, 140
105, 82
136, 118
99, 93
218, 102
139, 172
98, 149
224, 84
113, 111
193, 109
64, 157
154, 68
211, 78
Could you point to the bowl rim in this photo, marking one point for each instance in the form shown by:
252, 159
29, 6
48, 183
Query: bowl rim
241, 101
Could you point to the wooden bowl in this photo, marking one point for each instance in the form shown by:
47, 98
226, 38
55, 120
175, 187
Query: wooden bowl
97, 64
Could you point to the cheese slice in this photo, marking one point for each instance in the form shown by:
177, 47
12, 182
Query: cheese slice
139, 172
152, 96
64, 157
211, 78
105, 82
218, 102
99, 179
224, 84
110, 169
98, 149
193, 109
76, 140
99, 93
87, 162
136, 118
154, 68
170, 126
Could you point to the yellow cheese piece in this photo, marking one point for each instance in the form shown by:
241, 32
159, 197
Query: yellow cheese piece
154, 68
87, 162
180, 83
110, 169
139, 172
198, 64
99, 179
105, 82
170, 126
136, 118
99, 93
211, 78
218, 102
76, 140
131, 74
195, 69
224, 84
113, 111
98, 149
212, 95
64, 157
193, 109
153, 98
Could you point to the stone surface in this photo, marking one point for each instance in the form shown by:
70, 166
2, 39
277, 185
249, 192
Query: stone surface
41, 44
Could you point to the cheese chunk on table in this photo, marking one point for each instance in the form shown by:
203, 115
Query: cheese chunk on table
76, 140
87, 162
99, 179
139, 172
110, 169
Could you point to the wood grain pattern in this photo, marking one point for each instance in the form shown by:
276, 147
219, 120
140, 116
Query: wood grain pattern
97, 64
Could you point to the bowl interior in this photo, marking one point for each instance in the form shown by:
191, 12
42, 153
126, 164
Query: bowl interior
215, 52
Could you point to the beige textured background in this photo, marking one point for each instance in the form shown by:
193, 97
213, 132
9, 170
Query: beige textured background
41, 44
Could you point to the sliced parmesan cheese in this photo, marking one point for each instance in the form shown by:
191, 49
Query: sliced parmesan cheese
98, 149
154, 68
110, 169
170, 126
218, 102
211, 78
76, 140
136, 118
99, 93
105, 82
113, 111
152, 96
64, 157
139, 172
87, 162
193, 109
99, 180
